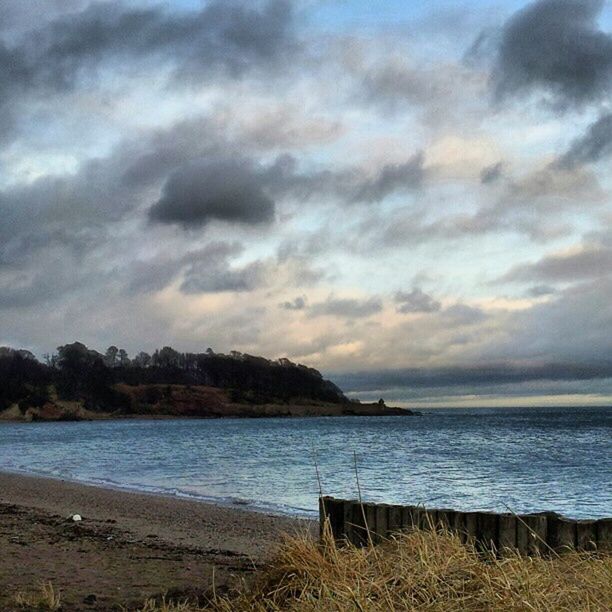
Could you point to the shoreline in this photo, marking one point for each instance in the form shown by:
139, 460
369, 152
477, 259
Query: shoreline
130, 545
103, 416
300, 514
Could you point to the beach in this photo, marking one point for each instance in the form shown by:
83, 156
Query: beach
129, 546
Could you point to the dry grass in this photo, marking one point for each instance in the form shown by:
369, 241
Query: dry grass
47, 599
420, 570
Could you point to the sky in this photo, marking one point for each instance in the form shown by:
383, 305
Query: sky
412, 197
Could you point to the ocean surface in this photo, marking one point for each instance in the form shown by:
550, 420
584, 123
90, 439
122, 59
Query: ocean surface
477, 459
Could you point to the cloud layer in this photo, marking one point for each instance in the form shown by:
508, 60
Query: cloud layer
411, 212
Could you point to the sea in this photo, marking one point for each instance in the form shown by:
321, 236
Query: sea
498, 459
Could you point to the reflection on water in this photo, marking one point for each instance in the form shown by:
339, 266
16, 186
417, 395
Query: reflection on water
524, 459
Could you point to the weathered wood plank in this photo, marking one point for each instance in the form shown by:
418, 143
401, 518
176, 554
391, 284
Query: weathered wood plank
531, 533
347, 520
411, 517
445, 519
586, 536
561, 533
506, 532
427, 520
370, 514
486, 531
336, 512
382, 522
395, 519
604, 534
359, 534
470, 530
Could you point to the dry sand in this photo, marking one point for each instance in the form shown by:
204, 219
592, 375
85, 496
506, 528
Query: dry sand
129, 546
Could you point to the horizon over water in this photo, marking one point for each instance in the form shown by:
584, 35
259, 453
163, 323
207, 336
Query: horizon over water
525, 459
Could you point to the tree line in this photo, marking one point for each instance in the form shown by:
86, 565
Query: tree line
76, 372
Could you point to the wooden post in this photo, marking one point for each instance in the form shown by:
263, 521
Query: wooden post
486, 531
506, 532
395, 519
531, 533
586, 536
347, 520
370, 514
444, 518
428, 519
604, 534
382, 522
411, 517
561, 533
455, 522
459, 526
470, 529
359, 534
337, 518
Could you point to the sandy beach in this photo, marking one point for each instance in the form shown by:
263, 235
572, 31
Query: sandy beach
128, 547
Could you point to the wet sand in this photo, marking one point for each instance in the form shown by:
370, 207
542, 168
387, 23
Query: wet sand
128, 547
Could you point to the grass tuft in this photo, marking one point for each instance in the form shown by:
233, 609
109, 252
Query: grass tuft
47, 599
418, 570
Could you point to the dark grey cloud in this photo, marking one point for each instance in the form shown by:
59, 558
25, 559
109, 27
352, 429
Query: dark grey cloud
594, 145
555, 46
350, 308
229, 190
482, 374
416, 301
299, 303
223, 38
592, 262
492, 173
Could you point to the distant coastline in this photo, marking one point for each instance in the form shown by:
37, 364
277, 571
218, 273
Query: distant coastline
78, 383
197, 402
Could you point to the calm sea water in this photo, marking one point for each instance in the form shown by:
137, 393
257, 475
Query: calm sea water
524, 459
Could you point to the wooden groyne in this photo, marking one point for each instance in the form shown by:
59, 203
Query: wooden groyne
359, 523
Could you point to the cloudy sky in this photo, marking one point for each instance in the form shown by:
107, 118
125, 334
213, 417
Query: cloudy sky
413, 197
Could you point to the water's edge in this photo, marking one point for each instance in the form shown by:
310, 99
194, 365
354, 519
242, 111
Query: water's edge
222, 502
